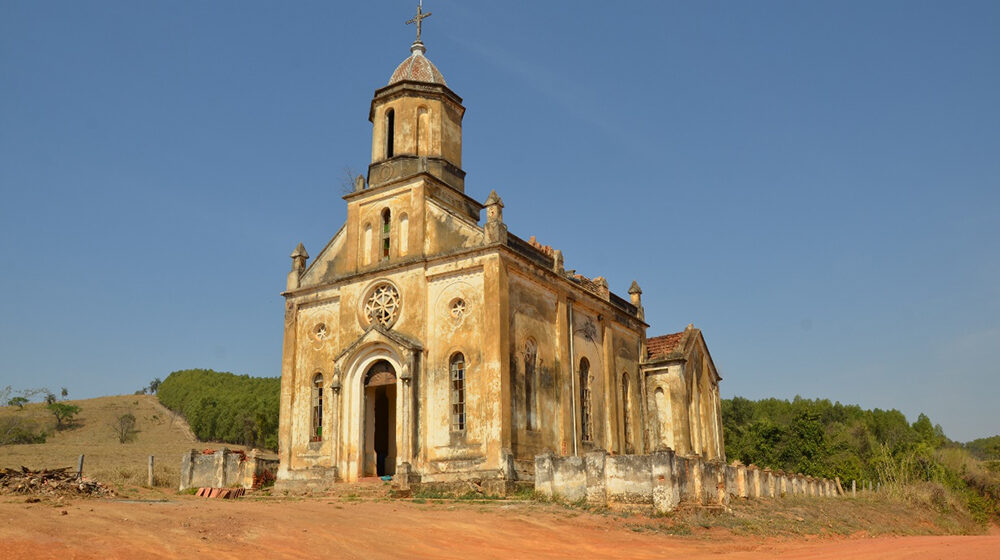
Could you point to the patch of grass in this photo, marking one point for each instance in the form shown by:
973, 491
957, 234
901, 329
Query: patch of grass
873, 514
162, 434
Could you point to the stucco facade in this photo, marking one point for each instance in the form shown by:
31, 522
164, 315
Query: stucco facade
427, 342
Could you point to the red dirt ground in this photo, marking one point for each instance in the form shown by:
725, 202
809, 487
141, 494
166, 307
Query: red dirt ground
186, 526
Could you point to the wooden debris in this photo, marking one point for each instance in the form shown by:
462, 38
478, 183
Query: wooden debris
52, 482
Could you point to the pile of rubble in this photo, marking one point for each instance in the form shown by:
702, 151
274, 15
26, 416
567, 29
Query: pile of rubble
52, 482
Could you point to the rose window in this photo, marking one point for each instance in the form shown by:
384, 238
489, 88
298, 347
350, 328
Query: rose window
457, 308
320, 332
382, 305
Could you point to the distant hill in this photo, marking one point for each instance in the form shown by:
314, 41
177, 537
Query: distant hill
160, 432
223, 406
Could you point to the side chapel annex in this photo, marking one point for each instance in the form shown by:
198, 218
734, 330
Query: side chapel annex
429, 344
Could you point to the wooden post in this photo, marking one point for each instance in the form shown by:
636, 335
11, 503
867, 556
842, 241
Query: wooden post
149, 476
79, 469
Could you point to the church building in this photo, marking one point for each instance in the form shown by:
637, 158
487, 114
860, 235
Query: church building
427, 342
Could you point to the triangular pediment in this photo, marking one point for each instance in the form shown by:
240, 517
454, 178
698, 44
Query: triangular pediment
375, 334
326, 260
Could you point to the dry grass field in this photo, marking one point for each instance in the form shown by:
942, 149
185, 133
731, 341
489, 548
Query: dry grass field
159, 432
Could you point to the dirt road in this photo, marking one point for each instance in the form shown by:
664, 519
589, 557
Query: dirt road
321, 528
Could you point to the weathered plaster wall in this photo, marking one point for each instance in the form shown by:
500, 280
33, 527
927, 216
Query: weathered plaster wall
533, 328
668, 410
665, 479
456, 324
424, 126
223, 468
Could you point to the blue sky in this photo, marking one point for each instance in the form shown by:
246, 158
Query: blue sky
815, 185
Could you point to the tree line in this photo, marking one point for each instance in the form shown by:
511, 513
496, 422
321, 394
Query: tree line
824, 439
222, 406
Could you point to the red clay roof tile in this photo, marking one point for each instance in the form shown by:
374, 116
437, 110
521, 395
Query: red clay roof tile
663, 345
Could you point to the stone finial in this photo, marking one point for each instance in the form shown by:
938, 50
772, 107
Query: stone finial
299, 257
495, 230
493, 199
635, 294
690, 327
359, 183
557, 262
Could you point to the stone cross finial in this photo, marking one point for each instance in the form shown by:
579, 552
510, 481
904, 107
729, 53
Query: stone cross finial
418, 19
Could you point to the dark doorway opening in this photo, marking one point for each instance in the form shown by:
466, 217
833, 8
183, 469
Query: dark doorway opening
380, 420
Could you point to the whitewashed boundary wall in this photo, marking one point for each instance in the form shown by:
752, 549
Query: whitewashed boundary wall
665, 480
224, 468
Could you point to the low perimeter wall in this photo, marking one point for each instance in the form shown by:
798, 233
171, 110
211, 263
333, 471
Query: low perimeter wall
224, 468
665, 480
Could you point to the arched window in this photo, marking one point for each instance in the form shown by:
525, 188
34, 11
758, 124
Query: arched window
316, 433
530, 387
665, 426
390, 129
423, 132
386, 227
586, 412
457, 368
627, 413
366, 255
404, 234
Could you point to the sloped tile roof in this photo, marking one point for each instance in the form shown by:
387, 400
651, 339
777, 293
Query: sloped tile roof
663, 345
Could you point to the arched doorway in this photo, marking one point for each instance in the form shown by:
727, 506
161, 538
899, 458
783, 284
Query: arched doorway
380, 420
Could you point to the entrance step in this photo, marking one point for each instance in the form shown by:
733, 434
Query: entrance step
367, 489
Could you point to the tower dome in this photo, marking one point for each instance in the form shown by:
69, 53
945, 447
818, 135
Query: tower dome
417, 68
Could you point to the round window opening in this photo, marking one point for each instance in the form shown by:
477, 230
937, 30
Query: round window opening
382, 305
457, 308
320, 331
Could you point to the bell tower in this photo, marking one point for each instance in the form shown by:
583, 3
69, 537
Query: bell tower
416, 123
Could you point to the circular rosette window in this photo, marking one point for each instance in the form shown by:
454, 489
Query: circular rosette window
382, 304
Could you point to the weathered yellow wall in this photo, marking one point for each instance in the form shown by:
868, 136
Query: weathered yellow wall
424, 126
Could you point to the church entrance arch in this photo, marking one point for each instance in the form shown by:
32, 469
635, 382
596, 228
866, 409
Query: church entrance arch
380, 419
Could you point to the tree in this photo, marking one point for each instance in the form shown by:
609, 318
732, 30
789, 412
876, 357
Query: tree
65, 392
63, 412
19, 402
49, 398
154, 385
15, 429
124, 427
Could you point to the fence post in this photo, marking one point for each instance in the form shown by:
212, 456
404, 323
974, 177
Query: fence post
79, 469
149, 474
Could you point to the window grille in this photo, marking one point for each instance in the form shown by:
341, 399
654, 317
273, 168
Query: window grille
458, 393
